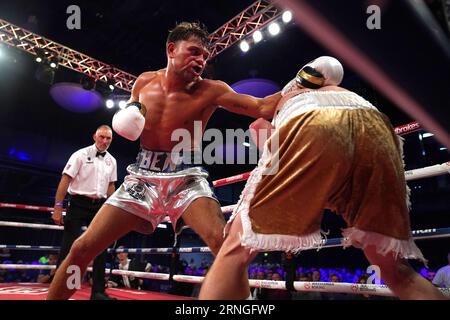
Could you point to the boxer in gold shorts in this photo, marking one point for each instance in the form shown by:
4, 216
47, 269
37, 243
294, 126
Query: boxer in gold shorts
336, 151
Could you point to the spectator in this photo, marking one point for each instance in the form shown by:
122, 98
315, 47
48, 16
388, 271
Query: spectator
46, 276
335, 278
276, 294
127, 264
442, 278
257, 293
316, 276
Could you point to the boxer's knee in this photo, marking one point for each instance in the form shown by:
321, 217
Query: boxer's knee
233, 250
239, 255
81, 252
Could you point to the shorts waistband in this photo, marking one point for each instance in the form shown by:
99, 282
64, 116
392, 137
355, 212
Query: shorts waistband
87, 200
162, 161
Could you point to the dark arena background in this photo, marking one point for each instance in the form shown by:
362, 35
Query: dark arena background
402, 66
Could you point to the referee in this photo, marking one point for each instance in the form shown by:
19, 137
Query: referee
89, 178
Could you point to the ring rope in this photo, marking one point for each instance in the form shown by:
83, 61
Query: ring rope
426, 172
304, 286
225, 209
371, 289
329, 243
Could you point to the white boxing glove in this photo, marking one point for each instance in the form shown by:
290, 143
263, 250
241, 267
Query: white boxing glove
129, 122
323, 71
330, 68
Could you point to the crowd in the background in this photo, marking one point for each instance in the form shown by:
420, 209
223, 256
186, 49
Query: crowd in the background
260, 271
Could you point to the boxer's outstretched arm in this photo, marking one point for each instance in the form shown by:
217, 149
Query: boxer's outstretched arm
246, 104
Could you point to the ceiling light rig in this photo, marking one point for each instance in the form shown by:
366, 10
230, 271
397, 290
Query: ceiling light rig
273, 29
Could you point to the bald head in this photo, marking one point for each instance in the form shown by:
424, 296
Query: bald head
103, 137
103, 126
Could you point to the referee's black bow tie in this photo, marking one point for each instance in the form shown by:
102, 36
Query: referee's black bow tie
101, 154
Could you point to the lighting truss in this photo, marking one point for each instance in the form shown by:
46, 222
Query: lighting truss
255, 17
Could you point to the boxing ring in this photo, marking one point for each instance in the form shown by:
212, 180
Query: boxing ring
38, 291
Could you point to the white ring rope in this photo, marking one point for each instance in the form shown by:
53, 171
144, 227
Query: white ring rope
304, 286
420, 234
32, 225
329, 243
334, 287
225, 209
425, 172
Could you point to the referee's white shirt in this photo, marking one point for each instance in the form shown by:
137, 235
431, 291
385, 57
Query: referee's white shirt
91, 175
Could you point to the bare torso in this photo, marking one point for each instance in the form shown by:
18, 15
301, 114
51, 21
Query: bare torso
168, 111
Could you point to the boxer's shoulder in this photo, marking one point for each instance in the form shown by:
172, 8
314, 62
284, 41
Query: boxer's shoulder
149, 75
213, 88
215, 84
145, 78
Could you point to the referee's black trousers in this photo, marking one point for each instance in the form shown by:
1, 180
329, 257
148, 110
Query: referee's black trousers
80, 212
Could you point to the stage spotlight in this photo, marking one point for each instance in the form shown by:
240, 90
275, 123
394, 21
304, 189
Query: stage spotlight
110, 84
244, 46
287, 16
109, 103
88, 83
274, 29
41, 55
122, 104
54, 62
257, 36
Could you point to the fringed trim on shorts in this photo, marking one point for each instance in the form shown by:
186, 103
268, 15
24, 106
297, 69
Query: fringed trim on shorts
279, 242
401, 142
406, 249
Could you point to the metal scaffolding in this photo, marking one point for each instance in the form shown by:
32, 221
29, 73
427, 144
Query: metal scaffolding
251, 19
245, 23
30, 42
